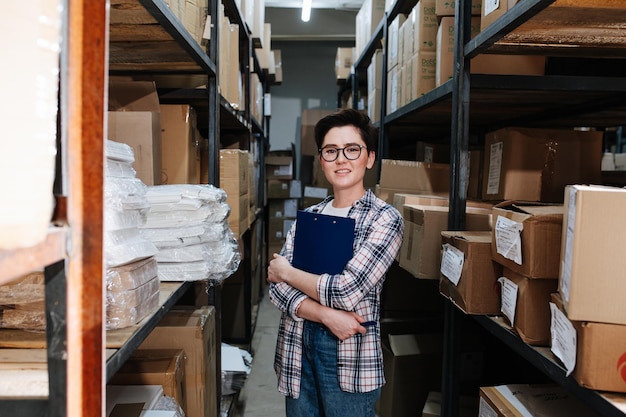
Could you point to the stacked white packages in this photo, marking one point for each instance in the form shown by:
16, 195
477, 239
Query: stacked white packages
132, 284
188, 224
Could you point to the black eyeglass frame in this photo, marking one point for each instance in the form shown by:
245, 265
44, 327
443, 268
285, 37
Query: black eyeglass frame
361, 147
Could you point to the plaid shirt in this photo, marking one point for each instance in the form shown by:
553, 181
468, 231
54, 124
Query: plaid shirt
377, 237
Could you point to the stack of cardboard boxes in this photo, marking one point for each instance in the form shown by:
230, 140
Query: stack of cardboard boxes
283, 198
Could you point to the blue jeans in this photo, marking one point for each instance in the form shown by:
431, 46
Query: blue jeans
320, 394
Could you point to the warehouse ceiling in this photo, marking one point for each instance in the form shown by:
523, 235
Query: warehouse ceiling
331, 20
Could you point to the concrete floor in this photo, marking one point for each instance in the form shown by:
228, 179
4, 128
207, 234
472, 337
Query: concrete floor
259, 396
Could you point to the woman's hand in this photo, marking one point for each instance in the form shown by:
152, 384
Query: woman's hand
343, 324
278, 269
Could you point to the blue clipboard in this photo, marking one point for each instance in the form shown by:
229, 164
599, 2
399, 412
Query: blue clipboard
322, 243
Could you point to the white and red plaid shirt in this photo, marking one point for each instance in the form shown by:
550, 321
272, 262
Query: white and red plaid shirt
379, 228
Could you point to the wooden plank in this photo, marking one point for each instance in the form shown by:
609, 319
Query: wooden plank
138, 33
130, 12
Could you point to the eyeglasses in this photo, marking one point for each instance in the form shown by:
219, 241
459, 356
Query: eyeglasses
351, 152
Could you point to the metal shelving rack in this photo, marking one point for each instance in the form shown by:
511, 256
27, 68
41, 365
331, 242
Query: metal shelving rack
470, 104
99, 38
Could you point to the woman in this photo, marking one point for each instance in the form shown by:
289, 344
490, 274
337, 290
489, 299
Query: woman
328, 354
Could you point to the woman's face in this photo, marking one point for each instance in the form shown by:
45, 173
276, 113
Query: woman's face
344, 173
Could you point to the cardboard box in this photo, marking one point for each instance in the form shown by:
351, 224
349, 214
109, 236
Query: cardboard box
278, 229
309, 119
134, 118
234, 171
421, 246
591, 279
492, 11
278, 167
473, 286
412, 177
422, 70
375, 72
283, 208
413, 368
526, 304
424, 21
446, 7
481, 64
343, 62
600, 356
541, 400
527, 238
367, 19
165, 367
536, 164
278, 189
192, 330
180, 157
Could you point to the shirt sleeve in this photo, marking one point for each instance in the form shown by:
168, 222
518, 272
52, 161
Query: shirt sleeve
368, 266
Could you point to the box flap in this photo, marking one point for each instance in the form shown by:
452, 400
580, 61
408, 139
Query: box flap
469, 236
133, 96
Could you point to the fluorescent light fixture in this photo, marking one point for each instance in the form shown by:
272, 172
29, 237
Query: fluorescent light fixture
306, 10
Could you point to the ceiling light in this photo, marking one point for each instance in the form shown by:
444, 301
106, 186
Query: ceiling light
306, 10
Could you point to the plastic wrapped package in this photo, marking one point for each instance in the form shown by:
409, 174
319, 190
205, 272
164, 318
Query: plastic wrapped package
125, 246
125, 193
26, 289
215, 270
172, 193
189, 253
119, 317
175, 237
160, 216
18, 318
115, 219
119, 169
167, 403
132, 275
118, 151
133, 296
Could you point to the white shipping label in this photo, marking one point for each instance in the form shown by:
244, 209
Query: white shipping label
563, 338
508, 235
509, 298
452, 263
495, 168
566, 267
491, 5
485, 410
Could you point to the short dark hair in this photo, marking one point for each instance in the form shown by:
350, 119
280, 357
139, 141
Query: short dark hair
348, 117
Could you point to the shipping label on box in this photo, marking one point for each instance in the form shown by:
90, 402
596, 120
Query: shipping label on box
527, 238
469, 275
526, 302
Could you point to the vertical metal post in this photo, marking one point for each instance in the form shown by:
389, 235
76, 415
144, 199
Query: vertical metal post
56, 339
459, 170
214, 98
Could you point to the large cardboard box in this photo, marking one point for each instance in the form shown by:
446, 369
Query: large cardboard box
481, 64
192, 330
542, 400
421, 246
309, 119
493, 10
180, 139
591, 279
134, 118
536, 164
469, 277
343, 62
526, 304
165, 367
279, 167
234, 179
412, 368
411, 177
527, 238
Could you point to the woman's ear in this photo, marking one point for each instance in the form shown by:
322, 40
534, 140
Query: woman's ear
371, 158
